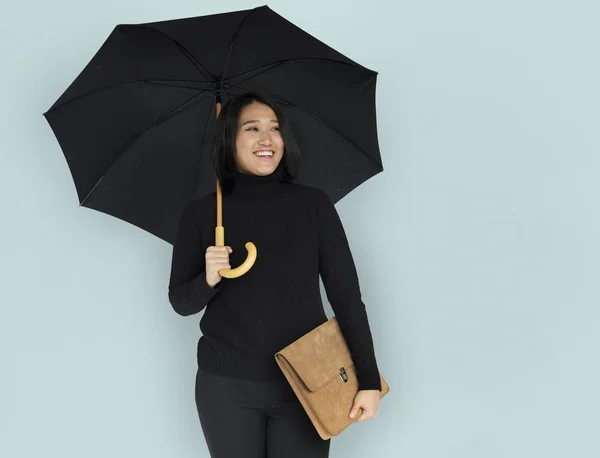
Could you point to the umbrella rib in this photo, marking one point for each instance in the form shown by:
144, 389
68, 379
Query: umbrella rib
166, 83
177, 110
268, 67
235, 36
127, 82
185, 52
291, 105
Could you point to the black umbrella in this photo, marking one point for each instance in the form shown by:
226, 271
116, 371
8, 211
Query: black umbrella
135, 125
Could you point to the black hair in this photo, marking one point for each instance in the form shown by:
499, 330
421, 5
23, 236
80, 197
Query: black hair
224, 140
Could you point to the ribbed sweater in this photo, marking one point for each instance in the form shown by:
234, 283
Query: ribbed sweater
299, 236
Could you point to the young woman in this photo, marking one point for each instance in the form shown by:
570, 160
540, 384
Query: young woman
245, 404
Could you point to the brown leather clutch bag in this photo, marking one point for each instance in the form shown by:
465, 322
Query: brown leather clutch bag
321, 372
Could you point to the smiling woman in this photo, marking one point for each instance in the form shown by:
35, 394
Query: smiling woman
259, 145
250, 125
245, 404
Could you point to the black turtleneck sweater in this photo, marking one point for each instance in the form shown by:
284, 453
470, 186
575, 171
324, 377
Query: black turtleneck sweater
298, 236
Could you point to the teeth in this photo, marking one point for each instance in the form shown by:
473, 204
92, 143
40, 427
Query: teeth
264, 153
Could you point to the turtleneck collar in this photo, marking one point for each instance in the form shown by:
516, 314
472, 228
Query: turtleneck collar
257, 186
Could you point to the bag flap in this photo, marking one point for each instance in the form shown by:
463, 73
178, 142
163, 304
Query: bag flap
319, 356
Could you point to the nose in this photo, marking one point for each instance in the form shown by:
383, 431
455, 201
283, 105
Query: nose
265, 138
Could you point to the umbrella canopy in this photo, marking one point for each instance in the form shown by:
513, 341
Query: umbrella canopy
135, 126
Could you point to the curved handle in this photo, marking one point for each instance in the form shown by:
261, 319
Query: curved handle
242, 268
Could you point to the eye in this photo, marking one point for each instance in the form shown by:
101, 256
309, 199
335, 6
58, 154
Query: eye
250, 128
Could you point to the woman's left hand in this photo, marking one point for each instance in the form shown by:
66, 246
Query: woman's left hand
368, 400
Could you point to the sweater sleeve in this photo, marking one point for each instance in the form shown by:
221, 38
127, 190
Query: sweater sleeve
338, 271
189, 292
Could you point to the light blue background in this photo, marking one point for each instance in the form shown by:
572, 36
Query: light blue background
478, 248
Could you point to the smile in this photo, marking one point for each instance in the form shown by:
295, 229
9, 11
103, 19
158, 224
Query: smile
264, 154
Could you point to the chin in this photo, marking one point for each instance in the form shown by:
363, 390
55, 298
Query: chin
267, 169
262, 169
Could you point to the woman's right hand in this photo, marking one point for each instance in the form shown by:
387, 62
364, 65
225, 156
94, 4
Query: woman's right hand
217, 258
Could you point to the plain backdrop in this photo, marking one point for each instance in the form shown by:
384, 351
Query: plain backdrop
477, 248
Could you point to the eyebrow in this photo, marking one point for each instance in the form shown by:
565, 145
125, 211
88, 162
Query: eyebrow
256, 120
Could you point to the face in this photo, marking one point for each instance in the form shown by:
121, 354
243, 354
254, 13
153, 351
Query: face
258, 134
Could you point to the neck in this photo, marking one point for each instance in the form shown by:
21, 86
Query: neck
247, 185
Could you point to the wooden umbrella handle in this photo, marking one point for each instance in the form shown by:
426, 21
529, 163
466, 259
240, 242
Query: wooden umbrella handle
220, 236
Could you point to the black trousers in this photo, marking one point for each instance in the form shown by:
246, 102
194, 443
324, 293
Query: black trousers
254, 419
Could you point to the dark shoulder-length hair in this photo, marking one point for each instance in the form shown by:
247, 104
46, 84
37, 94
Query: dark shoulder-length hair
223, 150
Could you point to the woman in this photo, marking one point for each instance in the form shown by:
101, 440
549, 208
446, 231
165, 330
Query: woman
245, 404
